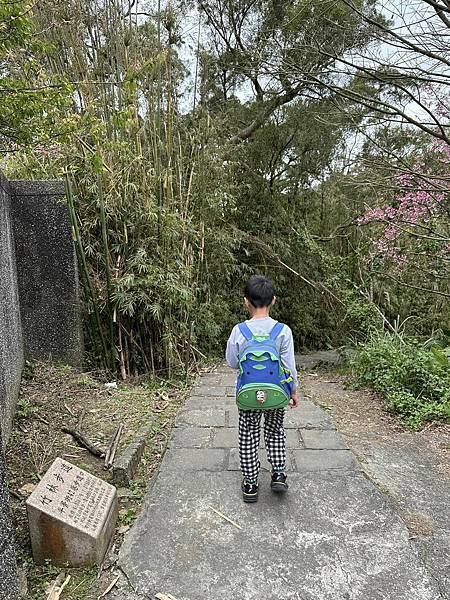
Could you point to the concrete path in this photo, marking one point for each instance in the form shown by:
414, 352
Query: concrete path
417, 479
333, 536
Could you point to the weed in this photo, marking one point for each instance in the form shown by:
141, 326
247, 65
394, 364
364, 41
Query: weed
39, 576
126, 517
136, 492
29, 369
84, 380
80, 583
413, 377
24, 408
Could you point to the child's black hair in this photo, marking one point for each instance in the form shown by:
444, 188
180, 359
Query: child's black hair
259, 290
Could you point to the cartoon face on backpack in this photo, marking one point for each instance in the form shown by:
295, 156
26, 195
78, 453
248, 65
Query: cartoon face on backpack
263, 382
261, 396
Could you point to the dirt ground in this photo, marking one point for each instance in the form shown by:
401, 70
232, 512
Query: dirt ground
363, 412
53, 397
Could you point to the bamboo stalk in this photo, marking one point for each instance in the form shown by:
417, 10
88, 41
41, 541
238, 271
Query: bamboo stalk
83, 265
107, 269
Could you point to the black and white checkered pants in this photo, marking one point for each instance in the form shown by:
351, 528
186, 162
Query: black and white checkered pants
274, 439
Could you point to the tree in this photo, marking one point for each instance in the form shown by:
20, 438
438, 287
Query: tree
29, 102
408, 64
145, 186
270, 53
173, 207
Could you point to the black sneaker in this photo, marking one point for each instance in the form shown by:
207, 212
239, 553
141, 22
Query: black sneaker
278, 483
249, 491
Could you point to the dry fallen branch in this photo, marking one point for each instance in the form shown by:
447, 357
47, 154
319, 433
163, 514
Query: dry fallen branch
225, 517
198, 351
41, 419
15, 495
68, 410
80, 420
83, 441
161, 407
161, 596
112, 448
58, 586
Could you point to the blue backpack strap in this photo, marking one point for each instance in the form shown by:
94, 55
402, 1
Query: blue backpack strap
276, 330
246, 331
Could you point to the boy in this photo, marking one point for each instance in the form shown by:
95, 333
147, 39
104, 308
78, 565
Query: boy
258, 300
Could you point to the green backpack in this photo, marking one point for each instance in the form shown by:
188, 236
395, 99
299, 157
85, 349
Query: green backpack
264, 383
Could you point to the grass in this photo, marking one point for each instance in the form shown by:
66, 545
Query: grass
41, 577
53, 396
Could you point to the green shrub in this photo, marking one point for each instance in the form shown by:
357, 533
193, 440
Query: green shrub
414, 378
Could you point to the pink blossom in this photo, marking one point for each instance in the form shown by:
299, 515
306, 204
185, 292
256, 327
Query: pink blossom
412, 203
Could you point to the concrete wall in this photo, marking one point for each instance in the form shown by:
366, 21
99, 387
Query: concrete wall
8, 573
39, 311
11, 363
46, 271
11, 346
39, 296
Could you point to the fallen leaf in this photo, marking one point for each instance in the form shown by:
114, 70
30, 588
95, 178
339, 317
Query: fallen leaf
123, 529
27, 489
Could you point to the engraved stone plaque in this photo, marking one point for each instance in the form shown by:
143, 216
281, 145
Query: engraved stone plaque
72, 515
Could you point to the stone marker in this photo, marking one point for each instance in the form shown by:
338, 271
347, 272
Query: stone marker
72, 515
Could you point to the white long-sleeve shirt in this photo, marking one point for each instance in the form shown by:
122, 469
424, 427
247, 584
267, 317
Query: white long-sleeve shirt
284, 343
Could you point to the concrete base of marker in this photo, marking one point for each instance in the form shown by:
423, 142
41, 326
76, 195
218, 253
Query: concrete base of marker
125, 466
72, 515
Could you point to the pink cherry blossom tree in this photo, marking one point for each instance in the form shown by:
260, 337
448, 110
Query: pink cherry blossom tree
408, 233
